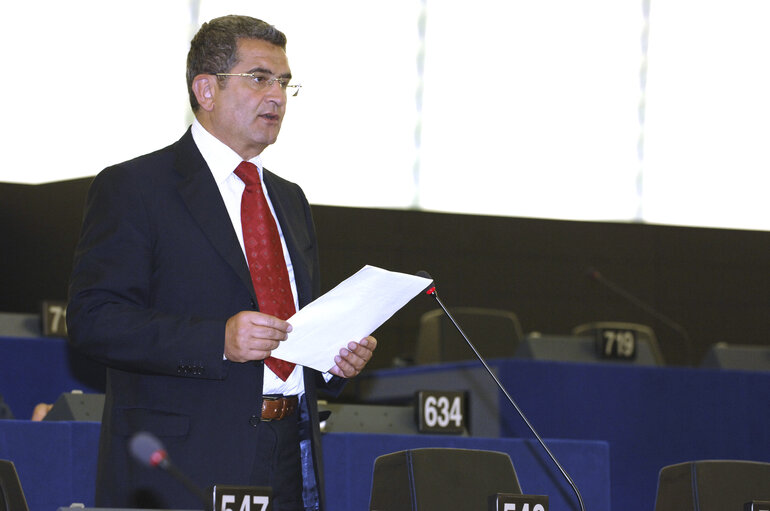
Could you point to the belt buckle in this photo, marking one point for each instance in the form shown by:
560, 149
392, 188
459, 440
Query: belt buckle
269, 397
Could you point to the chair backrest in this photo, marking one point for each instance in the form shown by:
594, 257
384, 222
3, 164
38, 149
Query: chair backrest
438, 479
712, 485
737, 356
11, 494
494, 332
77, 406
646, 342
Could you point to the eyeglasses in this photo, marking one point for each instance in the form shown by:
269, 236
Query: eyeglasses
262, 81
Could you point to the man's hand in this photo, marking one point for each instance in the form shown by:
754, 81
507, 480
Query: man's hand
351, 361
253, 335
40, 411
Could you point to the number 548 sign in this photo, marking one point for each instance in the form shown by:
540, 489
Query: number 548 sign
441, 412
512, 502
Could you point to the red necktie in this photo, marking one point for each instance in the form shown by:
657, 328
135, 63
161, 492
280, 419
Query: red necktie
265, 257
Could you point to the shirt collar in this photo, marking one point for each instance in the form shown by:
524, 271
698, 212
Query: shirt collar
221, 159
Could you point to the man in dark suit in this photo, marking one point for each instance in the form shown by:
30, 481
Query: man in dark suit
164, 294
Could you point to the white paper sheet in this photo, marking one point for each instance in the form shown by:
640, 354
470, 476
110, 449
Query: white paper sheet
349, 312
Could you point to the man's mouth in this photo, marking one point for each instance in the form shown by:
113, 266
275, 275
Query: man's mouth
270, 117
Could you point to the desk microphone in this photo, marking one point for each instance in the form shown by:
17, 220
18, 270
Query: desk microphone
596, 276
431, 290
148, 450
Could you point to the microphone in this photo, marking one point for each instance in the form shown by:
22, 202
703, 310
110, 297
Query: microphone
431, 290
596, 276
148, 450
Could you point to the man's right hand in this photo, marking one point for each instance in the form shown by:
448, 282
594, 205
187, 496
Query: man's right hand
251, 335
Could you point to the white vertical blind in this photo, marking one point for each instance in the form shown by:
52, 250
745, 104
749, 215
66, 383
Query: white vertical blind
528, 108
531, 108
88, 83
707, 133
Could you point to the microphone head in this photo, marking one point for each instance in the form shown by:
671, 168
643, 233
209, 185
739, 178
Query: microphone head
148, 450
430, 288
593, 274
424, 274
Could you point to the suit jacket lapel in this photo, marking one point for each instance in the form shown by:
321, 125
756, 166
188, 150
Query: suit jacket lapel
202, 197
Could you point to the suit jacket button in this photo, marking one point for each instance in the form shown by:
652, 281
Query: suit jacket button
253, 305
254, 421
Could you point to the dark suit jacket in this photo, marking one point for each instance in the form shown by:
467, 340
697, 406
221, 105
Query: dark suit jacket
157, 272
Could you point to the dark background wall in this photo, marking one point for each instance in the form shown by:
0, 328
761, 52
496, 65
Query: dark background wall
714, 282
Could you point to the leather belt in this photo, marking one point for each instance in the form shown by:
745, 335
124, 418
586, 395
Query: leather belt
275, 408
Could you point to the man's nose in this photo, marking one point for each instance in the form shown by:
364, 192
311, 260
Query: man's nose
276, 91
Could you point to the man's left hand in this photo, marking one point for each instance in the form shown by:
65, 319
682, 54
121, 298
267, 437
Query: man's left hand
352, 360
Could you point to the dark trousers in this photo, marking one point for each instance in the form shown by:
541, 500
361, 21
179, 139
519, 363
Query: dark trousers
278, 463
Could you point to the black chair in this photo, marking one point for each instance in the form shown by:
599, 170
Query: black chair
11, 494
712, 485
437, 479
495, 333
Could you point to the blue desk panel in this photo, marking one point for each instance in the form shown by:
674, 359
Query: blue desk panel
38, 370
56, 462
651, 416
349, 461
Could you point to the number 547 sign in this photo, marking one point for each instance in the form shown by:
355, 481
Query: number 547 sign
441, 412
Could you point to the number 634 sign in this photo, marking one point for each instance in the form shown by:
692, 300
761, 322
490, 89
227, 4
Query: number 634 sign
441, 412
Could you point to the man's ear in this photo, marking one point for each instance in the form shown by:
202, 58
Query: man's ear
204, 87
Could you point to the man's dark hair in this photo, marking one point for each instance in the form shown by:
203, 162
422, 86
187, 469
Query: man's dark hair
214, 47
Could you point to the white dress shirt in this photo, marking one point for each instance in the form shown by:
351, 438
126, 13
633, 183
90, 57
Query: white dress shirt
222, 161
